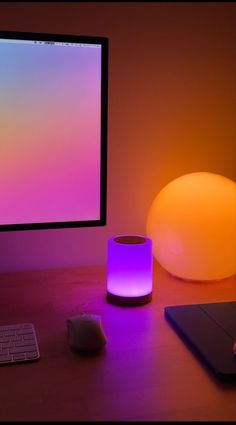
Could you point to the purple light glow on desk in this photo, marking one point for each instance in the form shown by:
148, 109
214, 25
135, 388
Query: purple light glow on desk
129, 276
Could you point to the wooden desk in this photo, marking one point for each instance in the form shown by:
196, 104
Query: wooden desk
145, 372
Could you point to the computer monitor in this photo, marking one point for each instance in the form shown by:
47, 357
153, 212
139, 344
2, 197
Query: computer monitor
53, 130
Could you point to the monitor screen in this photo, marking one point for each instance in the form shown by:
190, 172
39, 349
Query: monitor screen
53, 130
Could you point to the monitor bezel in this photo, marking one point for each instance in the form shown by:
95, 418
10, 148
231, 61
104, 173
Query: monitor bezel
103, 41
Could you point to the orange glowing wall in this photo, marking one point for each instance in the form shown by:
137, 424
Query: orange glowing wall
172, 110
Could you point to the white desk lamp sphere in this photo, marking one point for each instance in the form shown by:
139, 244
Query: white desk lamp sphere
192, 224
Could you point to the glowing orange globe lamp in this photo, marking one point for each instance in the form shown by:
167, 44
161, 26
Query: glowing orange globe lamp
192, 224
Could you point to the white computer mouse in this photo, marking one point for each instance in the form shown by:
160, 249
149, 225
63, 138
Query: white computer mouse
85, 332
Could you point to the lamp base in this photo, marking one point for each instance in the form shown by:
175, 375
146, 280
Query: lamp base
128, 301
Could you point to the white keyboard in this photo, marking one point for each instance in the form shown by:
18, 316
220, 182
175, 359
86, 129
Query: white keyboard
18, 343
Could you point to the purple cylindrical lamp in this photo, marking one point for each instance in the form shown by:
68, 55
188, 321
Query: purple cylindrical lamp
129, 270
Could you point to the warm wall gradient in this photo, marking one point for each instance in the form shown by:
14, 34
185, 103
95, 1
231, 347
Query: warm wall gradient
172, 108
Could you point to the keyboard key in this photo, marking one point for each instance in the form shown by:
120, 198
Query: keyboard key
4, 351
7, 345
9, 334
5, 358
19, 356
4, 339
24, 332
20, 349
32, 355
30, 336
19, 338
25, 343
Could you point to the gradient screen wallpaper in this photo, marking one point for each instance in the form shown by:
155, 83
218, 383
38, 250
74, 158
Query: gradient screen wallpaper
50, 137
